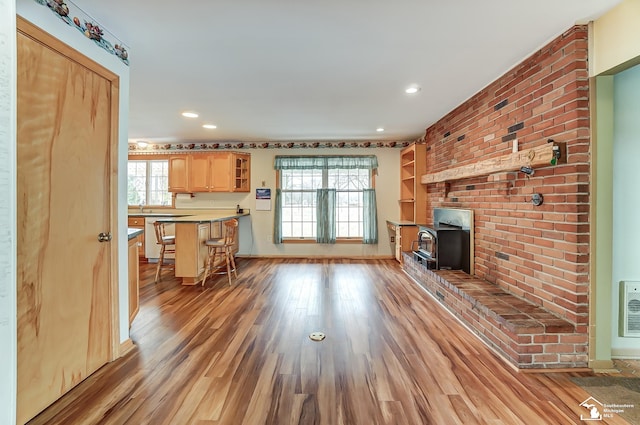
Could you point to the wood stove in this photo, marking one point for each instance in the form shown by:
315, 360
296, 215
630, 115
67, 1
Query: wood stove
448, 245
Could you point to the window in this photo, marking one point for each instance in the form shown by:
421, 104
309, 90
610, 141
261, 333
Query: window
299, 202
148, 183
325, 198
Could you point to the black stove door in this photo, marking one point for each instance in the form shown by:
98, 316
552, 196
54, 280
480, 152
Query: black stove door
453, 250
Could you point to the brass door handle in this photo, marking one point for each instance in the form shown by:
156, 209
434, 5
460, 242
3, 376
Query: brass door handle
104, 237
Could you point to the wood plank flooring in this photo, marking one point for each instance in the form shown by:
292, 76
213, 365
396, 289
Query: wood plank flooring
242, 355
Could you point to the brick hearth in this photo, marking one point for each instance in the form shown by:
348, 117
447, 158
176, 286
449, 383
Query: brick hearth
524, 333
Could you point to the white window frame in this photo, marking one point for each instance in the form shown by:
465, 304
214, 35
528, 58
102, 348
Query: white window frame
309, 235
151, 182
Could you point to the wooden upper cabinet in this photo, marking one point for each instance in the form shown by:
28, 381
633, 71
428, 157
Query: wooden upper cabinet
200, 172
179, 173
210, 172
221, 172
242, 172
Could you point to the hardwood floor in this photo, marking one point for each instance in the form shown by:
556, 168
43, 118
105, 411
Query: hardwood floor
242, 355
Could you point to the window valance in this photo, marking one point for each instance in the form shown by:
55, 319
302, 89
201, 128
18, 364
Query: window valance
368, 162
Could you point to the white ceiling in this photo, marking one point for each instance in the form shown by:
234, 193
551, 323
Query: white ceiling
284, 70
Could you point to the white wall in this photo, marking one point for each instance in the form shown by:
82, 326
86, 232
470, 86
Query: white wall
616, 38
48, 21
614, 47
626, 197
8, 344
256, 231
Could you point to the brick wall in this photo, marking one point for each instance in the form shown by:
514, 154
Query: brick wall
541, 252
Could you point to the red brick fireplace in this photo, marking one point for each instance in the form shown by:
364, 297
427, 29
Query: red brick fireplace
537, 253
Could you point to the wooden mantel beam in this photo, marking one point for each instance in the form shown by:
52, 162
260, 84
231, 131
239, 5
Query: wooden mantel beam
538, 156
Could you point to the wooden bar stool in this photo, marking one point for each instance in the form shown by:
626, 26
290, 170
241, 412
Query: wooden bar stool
221, 248
167, 245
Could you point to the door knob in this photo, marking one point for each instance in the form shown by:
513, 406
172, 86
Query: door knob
104, 237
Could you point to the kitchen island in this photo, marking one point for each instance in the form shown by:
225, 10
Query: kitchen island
191, 233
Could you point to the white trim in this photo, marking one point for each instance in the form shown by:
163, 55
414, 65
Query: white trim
8, 302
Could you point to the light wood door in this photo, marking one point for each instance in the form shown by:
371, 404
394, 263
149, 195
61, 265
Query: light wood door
65, 114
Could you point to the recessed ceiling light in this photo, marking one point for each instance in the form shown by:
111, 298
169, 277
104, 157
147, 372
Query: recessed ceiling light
190, 114
412, 90
210, 126
379, 129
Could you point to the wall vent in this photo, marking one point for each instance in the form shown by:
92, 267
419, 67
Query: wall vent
629, 320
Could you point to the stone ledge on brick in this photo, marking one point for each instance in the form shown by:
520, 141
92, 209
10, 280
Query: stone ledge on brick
514, 327
517, 315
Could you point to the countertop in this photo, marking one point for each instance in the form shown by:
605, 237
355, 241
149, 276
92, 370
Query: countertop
174, 212
132, 233
402, 223
204, 217
150, 214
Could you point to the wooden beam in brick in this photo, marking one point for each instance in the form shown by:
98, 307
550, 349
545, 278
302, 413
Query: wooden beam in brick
539, 156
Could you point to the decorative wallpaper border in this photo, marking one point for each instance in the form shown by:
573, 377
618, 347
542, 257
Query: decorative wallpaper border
164, 147
89, 28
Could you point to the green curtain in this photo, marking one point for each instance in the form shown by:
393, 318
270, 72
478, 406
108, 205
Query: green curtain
369, 162
370, 221
326, 198
326, 216
277, 218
